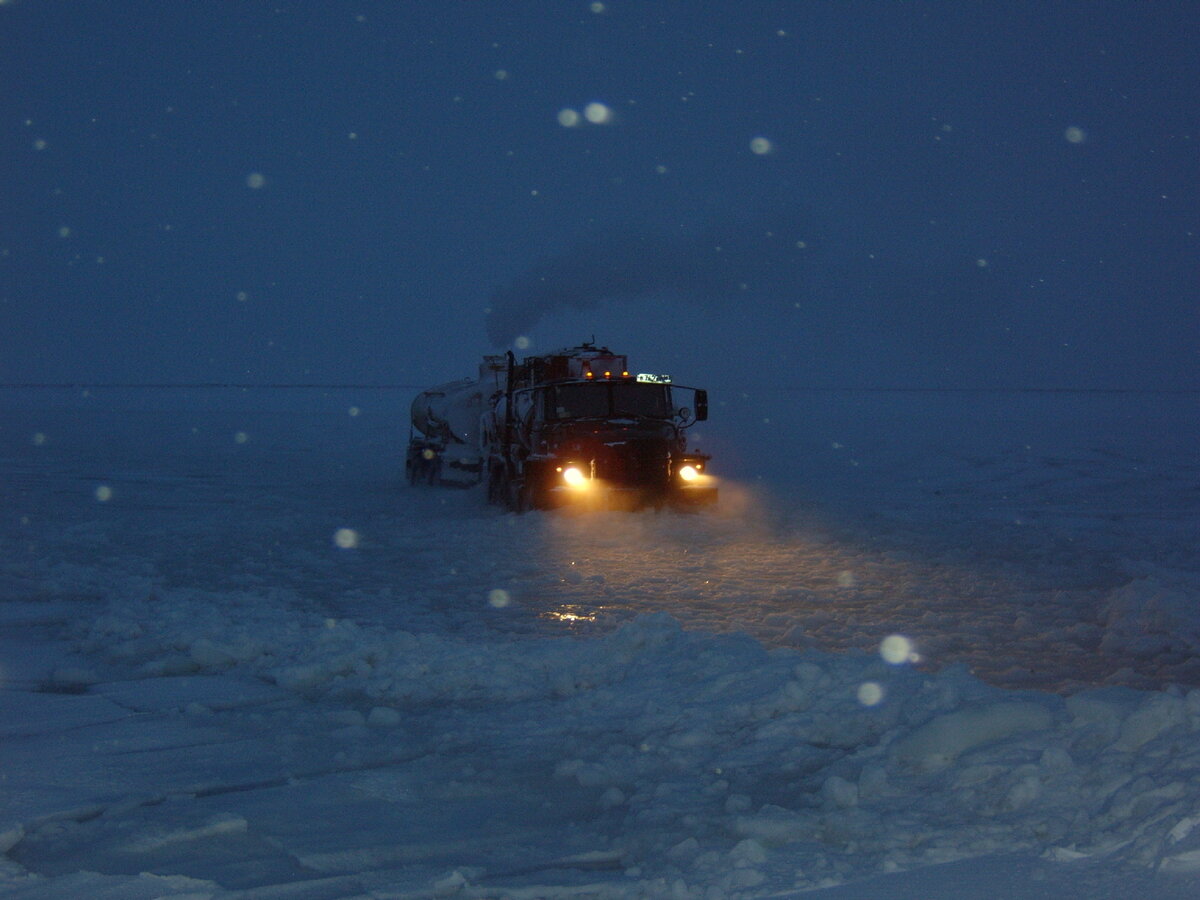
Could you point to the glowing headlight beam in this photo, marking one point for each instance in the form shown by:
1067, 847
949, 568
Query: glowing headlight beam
574, 477
689, 473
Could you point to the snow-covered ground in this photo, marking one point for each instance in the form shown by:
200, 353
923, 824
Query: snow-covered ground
930, 645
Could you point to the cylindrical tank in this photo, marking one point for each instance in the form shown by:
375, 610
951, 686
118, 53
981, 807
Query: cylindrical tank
450, 412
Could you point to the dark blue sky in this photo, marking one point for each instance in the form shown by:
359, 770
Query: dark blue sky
955, 193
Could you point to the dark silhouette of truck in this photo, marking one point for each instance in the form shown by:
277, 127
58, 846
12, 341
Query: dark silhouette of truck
568, 428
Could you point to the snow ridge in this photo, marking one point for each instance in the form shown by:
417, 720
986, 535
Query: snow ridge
716, 761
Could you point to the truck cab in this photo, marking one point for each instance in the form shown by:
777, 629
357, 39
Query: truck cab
575, 428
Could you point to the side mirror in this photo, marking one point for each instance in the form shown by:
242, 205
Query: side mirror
701, 406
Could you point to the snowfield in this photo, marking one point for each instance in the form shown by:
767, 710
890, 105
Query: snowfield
930, 645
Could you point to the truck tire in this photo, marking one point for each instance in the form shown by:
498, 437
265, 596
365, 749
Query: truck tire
517, 498
497, 490
528, 499
418, 471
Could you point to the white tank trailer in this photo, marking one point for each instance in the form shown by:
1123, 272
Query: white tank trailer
568, 428
445, 443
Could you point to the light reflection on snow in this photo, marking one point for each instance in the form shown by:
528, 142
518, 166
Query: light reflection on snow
570, 614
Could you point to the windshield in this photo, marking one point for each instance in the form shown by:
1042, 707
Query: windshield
611, 400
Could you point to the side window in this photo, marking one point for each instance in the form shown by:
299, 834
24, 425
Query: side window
562, 400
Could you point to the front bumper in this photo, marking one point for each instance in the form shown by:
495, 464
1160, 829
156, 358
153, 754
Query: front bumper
600, 496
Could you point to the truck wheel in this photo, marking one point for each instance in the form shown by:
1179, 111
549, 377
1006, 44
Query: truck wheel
528, 499
418, 472
496, 489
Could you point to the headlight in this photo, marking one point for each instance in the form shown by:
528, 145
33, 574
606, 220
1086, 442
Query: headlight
689, 473
574, 476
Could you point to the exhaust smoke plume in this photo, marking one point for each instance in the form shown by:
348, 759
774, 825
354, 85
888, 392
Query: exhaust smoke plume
712, 265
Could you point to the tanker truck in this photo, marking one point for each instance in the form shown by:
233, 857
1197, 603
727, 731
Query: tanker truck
568, 428
444, 445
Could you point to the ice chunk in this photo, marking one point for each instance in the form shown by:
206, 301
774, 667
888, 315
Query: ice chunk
1027, 789
612, 798
1157, 714
1183, 843
941, 741
383, 717
10, 837
73, 678
775, 826
226, 823
1153, 615
686, 849
748, 852
452, 884
839, 793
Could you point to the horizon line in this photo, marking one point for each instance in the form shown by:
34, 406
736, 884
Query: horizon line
314, 385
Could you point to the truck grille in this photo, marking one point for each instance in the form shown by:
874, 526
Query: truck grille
643, 462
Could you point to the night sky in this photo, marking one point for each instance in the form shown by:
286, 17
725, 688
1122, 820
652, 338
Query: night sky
828, 194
